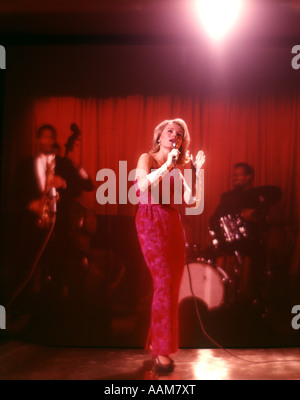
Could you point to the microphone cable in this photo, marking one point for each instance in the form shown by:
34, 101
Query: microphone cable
35, 264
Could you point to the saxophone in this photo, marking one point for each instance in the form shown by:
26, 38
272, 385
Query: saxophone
48, 198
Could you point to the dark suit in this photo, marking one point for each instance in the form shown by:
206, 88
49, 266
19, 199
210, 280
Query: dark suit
60, 253
26, 187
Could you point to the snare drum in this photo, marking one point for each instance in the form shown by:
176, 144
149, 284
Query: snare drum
209, 283
228, 230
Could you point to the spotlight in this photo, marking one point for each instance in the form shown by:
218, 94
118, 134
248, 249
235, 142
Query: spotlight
219, 16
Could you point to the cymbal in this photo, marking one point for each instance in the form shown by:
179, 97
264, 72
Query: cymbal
269, 194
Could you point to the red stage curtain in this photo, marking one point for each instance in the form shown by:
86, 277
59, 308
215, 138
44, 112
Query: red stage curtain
260, 130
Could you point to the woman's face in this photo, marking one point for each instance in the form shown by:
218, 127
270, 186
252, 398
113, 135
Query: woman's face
172, 133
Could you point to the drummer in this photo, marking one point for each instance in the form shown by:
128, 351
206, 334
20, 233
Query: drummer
252, 204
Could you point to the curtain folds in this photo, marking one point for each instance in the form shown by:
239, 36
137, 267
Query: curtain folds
262, 131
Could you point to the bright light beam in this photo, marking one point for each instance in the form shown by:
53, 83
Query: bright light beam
219, 16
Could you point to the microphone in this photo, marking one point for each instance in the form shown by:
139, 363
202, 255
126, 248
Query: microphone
174, 147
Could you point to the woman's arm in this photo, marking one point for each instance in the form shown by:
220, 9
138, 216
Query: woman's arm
189, 198
145, 177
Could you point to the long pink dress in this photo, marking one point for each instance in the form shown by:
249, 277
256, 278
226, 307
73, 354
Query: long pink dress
162, 242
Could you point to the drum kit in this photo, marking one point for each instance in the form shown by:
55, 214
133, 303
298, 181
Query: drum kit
208, 281
225, 272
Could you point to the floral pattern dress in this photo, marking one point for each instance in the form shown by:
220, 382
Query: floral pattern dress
161, 238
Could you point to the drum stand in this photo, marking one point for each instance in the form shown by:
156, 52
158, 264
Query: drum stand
237, 271
232, 276
229, 230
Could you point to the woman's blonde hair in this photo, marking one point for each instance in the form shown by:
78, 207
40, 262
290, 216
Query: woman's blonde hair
183, 158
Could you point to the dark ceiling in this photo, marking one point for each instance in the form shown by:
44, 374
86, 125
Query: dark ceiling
146, 35
263, 19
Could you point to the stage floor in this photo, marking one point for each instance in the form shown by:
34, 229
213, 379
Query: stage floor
21, 360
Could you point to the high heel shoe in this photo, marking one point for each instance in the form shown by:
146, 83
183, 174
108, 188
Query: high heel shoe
163, 367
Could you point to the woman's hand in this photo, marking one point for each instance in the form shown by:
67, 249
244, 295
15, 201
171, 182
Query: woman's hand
174, 154
199, 160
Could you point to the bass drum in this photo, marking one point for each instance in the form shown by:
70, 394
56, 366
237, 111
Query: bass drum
209, 283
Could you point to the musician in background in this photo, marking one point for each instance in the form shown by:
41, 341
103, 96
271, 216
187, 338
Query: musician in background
43, 189
248, 206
